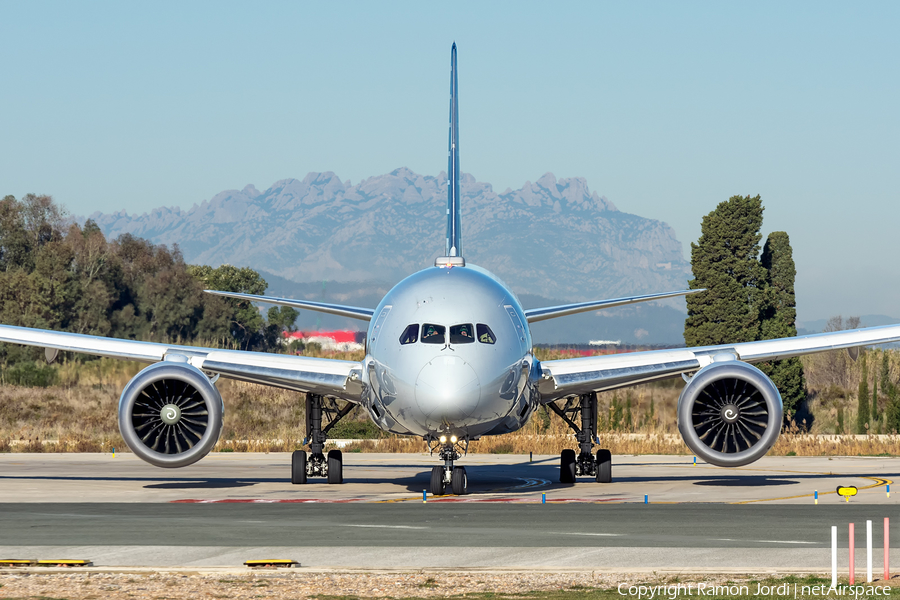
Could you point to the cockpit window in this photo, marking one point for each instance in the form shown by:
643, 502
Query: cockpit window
485, 335
462, 334
410, 334
433, 334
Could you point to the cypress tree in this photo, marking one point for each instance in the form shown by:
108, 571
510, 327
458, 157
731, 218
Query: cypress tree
892, 415
892, 401
875, 415
862, 415
724, 261
887, 386
778, 319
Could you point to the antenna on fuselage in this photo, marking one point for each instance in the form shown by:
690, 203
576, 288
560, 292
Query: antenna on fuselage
453, 252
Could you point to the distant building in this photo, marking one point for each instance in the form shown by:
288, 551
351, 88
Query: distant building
604, 342
331, 341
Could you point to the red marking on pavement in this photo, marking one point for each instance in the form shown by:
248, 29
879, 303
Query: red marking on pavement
268, 501
531, 500
519, 500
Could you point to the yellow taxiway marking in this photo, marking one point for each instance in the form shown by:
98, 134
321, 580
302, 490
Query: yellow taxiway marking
879, 482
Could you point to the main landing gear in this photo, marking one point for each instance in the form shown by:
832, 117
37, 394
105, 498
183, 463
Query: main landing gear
318, 464
585, 463
448, 475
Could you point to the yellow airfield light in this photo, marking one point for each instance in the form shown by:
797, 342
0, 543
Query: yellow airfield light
17, 562
846, 491
271, 563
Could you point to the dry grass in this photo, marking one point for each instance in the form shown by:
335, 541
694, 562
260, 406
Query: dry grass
79, 415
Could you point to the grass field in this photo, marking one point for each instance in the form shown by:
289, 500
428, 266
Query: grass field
409, 586
77, 413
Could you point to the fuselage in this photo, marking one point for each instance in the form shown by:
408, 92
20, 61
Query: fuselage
449, 352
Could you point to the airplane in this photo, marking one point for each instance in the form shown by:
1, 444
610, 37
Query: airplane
448, 358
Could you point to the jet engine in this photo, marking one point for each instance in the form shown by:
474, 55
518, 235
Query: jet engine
730, 413
170, 414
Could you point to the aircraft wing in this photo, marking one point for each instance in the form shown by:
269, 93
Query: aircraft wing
533, 315
600, 373
301, 373
354, 312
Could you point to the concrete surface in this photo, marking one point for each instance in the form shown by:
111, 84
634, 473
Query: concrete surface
402, 477
120, 512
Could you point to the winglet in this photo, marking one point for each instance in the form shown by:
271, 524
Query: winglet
454, 235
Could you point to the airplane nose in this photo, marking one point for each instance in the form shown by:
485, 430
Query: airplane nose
447, 388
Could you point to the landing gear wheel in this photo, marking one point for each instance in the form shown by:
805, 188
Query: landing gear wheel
567, 466
437, 481
298, 467
604, 466
335, 466
458, 480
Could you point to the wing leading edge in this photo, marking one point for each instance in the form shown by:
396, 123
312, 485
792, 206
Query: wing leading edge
354, 312
601, 373
300, 373
534, 315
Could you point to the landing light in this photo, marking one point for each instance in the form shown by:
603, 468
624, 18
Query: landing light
452, 439
443, 439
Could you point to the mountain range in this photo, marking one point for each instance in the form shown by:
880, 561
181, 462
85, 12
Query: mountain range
552, 241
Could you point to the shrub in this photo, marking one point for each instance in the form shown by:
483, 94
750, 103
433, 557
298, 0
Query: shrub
503, 448
30, 374
355, 430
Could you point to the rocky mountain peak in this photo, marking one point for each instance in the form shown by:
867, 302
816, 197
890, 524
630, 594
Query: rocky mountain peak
554, 237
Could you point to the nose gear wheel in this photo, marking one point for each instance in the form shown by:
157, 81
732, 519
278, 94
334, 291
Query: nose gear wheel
448, 475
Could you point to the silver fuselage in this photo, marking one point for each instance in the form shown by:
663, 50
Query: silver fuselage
462, 389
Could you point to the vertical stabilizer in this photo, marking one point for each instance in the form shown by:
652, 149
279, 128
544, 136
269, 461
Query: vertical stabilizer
454, 236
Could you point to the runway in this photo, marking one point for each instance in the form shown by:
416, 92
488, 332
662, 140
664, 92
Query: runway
234, 507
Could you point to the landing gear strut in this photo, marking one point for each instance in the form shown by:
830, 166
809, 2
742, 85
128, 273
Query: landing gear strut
448, 475
318, 464
584, 463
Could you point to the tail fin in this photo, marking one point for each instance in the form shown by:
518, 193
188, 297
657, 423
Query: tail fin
454, 236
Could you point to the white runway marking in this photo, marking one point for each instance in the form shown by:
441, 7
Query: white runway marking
600, 534
527, 484
382, 526
764, 541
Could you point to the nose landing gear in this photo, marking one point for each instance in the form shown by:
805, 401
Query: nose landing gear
448, 475
585, 463
318, 464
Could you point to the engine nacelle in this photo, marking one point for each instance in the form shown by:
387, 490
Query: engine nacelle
730, 413
170, 414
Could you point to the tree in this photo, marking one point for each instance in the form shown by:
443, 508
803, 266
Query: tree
724, 261
248, 328
888, 389
892, 402
875, 414
862, 415
15, 249
57, 275
833, 368
778, 319
282, 318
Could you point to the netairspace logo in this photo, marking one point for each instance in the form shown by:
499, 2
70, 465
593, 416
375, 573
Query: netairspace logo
783, 590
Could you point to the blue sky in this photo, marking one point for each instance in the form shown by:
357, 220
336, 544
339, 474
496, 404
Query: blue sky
665, 108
